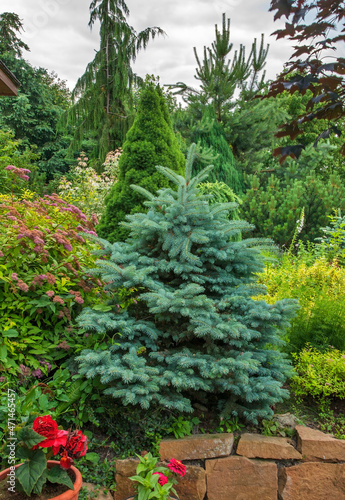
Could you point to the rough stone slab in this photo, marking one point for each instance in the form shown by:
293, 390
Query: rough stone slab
257, 446
196, 447
312, 481
238, 478
124, 470
316, 445
96, 493
286, 420
191, 487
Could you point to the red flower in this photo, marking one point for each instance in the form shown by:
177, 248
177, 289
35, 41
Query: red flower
65, 461
177, 467
47, 427
162, 478
59, 440
77, 444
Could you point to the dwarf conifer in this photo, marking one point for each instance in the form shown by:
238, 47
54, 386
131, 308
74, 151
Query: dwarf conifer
195, 333
149, 142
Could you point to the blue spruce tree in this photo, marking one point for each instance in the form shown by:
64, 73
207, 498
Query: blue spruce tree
196, 333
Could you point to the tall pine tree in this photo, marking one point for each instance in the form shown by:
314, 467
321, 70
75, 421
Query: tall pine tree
195, 333
102, 94
220, 76
149, 142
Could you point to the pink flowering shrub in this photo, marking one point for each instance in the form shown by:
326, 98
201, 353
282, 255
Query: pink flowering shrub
44, 283
13, 178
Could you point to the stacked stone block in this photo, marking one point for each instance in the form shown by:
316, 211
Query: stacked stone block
261, 467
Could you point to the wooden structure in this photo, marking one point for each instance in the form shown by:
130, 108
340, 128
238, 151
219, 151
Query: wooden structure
8, 82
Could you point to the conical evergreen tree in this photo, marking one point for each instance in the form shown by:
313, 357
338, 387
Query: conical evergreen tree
196, 332
209, 135
149, 142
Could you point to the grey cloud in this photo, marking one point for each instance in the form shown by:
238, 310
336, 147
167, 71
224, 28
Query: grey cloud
60, 39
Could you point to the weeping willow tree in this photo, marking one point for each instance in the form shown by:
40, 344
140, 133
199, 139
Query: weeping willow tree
102, 95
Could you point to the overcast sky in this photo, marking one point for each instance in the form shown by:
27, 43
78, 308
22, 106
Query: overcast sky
58, 35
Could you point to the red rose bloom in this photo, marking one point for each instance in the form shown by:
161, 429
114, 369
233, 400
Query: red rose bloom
177, 467
162, 478
45, 426
77, 444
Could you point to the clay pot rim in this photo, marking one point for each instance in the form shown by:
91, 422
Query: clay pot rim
77, 482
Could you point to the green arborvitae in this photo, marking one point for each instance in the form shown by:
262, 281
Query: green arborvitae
195, 334
149, 142
102, 93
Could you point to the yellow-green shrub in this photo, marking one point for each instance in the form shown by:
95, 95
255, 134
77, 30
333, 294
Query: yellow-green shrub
319, 286
319, 374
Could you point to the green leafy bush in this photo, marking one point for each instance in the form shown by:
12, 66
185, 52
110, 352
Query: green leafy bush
320, 374
319, 285
333, 237
43, 281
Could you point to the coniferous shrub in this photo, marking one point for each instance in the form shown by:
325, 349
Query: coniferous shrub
273, 202
209, 135
195, 332
149, 142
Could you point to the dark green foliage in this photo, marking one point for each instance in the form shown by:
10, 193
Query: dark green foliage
102, 96
274, 201
33, 115
149, 142
195, 334
199, 125
210, 136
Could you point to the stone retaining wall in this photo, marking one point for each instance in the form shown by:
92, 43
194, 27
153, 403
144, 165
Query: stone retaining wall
264, 468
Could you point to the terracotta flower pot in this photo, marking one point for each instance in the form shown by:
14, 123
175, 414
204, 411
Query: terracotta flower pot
67, 495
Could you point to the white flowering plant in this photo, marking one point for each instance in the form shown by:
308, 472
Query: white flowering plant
85, 188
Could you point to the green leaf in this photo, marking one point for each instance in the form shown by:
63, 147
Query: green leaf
60, 476
29, 436
73, 394
102, 307
92, 457
30, 472
37, 489
43, 402
38, 351
3, 353
10, 333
